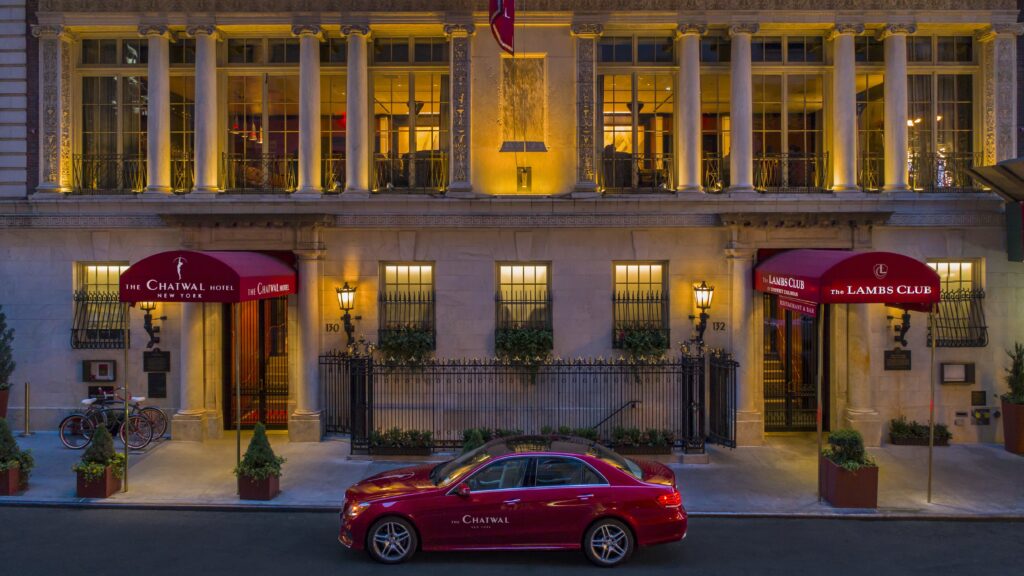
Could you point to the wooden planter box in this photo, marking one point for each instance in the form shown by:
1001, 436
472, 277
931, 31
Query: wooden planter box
252, 489
102, 487
1013, 427
10, 482
904, 441
641, 450
844, 489
5, 395
400, 451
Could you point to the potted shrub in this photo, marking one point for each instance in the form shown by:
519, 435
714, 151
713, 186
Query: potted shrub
101, 469
903, 433
15, 464
259, 473
644, 344
6, 362
396, 441
406, 345
1013, 402
848, 476
635, 441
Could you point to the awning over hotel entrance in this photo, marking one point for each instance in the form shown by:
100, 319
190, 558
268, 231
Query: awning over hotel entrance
189, 276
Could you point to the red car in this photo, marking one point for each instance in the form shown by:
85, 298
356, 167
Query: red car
522, 493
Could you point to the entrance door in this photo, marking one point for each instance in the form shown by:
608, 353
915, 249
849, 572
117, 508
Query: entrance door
791, 369
263, 344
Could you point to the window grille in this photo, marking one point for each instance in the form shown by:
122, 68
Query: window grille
99, 316
640, 301
960, 319
524, 297
407, 299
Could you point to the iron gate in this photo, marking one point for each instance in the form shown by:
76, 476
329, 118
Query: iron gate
262, 343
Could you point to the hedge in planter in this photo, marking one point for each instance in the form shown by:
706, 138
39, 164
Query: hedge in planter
636, 441
15, 464
406, 345
401, 442
259, 473
912, 433
848, 477
1013, 402
525, 345
644, 344
101, 469
6, 362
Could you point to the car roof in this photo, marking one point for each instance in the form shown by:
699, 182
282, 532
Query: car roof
533, 444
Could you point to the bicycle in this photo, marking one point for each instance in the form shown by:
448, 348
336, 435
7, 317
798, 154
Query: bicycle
157, 418
76, 430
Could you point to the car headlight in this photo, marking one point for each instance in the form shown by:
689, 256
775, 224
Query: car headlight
355, 509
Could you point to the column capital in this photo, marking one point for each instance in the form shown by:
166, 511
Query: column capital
587, 29
358, 29
1006, 30
47, 31
746, 28
202, 29
896, 30
148, 30
846, 29
314, 30
691, 29
738, 251
309, 254
459, 30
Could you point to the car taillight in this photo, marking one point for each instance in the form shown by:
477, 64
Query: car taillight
670, 499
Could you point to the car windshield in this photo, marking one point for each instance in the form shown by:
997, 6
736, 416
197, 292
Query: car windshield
614, 459
445, 473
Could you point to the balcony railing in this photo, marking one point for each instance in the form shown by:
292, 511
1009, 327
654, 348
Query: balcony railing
792, 172
260, 174
182, 174
423, 172
332, 173
871, 172
943, 172
625, 173
107, 174
714, 172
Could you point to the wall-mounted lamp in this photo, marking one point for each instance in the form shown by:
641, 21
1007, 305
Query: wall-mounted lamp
147, 323
902, 328
702, 296
347, 301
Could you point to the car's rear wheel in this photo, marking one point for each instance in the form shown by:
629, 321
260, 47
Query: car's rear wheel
608, 543
391, 540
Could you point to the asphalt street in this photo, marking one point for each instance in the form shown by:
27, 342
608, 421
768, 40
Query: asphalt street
56, 541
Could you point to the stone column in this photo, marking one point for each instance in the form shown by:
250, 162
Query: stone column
54, 108
304, 424
206, 122
687, 118
741, 110
586, 36
999, 58
460, 184
895, 38
158, 114
749, 418
861, 414
844, 108
357, 137
309, 109
189, 423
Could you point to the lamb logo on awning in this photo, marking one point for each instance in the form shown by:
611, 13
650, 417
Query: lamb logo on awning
881, 271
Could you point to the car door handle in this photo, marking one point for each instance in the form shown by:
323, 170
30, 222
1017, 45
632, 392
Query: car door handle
585, 496
512, 501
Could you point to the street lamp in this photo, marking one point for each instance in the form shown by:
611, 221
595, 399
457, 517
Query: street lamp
702, 296
347, 301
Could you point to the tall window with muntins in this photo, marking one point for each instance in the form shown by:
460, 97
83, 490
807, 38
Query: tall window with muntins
870, 128
716, 123
524, 297
640, 304
99, 316
407, 300
637, 103
960, 321
113, 96
940, 120
183, 108
333, 124
411, 114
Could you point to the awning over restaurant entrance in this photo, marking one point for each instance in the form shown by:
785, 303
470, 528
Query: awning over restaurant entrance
804, 278
189, 276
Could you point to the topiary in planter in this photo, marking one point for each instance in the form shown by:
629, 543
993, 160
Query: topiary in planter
6, 362
848, 476
15, 464
1013, 402
259, 472
101, 468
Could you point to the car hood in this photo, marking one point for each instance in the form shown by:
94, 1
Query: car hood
655, 472
395, 482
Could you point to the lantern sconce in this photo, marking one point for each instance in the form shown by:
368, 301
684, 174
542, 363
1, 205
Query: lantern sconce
702, 296
347, 301
901, 328
147, 323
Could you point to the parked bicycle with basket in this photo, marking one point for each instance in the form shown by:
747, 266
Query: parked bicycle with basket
143, 425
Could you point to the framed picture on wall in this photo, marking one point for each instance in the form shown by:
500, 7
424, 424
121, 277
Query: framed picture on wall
99, 370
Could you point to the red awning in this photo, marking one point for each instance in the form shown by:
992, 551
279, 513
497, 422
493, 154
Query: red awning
804, 278
186, 276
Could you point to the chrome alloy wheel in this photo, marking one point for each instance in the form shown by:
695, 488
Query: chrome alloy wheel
391, 541
609, 544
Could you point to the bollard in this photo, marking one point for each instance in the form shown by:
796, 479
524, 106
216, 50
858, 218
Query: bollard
28, 429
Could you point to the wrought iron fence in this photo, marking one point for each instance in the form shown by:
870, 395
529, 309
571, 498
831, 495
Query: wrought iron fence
107, 174
361, 395
622, 172
791, 172
943, 172
960, 321
714, 172
406, 311
332, 173
638, 310
423, 172
98, 321
260, 174
721, 424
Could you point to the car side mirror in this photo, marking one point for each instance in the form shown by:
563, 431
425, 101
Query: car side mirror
462, 490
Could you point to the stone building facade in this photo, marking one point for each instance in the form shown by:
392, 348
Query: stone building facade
632, 149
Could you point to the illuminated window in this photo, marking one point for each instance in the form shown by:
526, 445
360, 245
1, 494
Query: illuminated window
411, 119
960, 321
870, 129
640, 302
714, 132
333, 124
636, 130
99, 315
524, 297
406, 299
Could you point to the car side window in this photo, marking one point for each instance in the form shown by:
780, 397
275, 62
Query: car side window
500, 475
556, 471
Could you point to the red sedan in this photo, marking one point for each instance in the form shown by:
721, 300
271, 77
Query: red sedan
523, 493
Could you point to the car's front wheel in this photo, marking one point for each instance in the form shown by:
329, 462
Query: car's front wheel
608, 543
391, 540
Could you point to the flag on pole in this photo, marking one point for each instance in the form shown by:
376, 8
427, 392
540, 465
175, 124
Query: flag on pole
503, 20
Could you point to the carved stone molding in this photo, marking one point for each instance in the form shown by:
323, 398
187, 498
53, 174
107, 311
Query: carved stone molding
846, 29
999, 97
586, 147
360, 29
525, 220
54, 107
308, 30
686, 29
460, 99
744, 28
1000, 30
587, 30
896, 30
85, 221
50, 31
154, 30
804, 219
459, 30
204, 29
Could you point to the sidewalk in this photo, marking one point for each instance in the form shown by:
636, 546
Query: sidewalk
778, 479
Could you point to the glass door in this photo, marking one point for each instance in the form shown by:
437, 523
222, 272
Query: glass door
791, 368
262, 341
